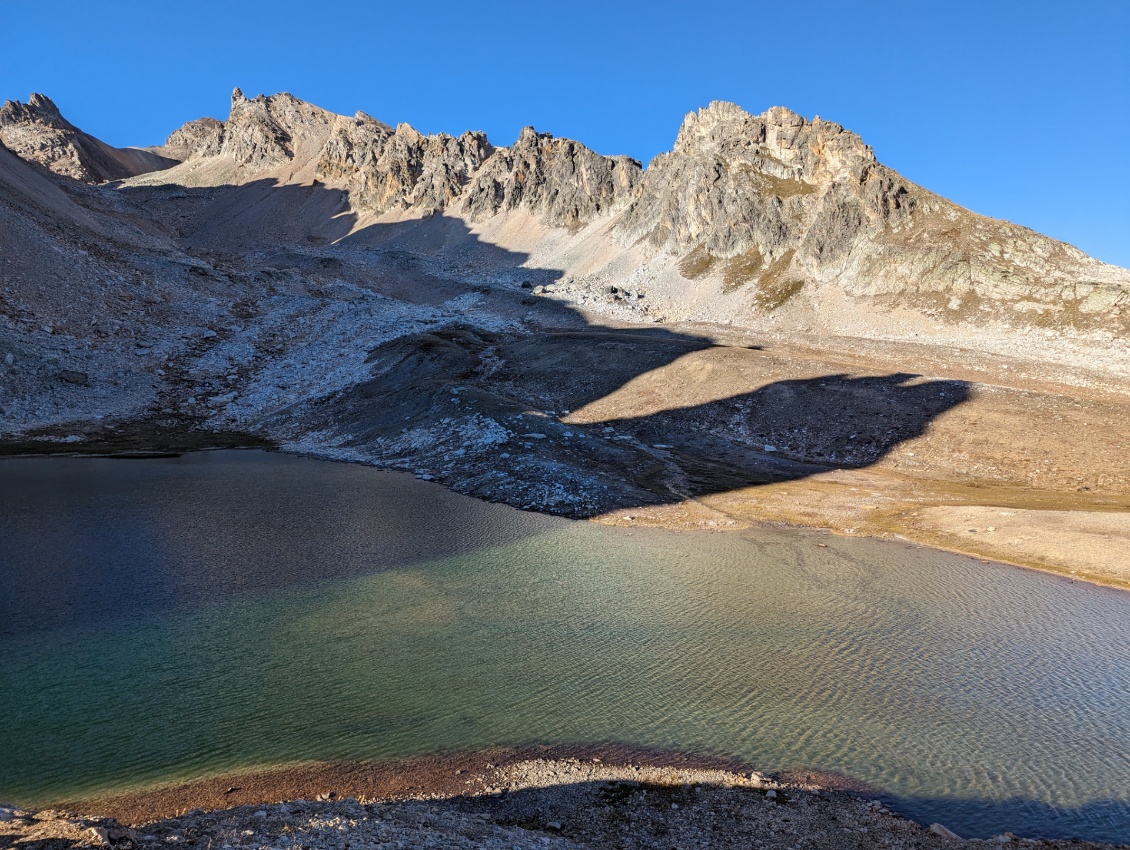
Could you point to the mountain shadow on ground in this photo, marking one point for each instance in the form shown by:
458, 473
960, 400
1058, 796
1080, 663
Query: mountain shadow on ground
600, 417
517, 396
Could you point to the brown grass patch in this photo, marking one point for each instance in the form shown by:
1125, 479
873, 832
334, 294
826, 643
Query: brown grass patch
697, 263
775, 286
741, 269
784, 188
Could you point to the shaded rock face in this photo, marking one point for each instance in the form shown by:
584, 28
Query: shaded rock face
38, 132
771, 183
561, 181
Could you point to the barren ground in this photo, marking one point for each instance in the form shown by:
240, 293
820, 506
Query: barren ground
498, 799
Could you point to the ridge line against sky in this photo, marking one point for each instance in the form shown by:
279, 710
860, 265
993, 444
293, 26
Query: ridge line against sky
1017, 110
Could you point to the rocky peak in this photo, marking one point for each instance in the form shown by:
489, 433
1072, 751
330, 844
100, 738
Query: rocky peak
779, 141
38, 107
253, 134
38, 132
716, 126
270, 130
786, 195
202, 137
561, 181
386, 170
364, 117
39, 114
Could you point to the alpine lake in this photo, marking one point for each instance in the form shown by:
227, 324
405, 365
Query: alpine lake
172, 618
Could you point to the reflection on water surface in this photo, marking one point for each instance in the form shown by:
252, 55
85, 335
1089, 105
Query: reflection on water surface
168, 618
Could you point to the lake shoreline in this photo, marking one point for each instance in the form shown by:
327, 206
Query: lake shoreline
583, 796
717, 514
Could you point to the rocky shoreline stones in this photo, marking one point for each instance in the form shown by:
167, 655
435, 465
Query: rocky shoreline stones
529, 805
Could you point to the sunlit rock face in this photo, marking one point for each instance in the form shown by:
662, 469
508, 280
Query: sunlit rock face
746, 217
774, 184
202, 137
562, 182
39, 133
388, 169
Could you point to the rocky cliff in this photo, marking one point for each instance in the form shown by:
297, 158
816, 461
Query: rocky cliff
400, 170
748, 219
387, 170
38, 132
769, 215
774, 183
562, 182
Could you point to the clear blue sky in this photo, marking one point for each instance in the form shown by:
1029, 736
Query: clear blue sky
1018, 109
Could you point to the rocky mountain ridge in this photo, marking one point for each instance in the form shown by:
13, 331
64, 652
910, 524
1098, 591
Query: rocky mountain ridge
768, 207
747, 215
39, 133
749, 219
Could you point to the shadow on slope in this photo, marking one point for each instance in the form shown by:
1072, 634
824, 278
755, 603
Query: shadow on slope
579, 418
524, 399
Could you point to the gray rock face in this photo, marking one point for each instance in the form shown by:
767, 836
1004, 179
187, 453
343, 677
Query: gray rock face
256, 132
778, 209
401, 169
772, 183
388, 170
38, 132
202, 137
562, 182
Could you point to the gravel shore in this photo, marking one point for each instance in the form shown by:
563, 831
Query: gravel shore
492, 800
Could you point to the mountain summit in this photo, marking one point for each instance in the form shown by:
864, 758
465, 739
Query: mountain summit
38, 132
747, 215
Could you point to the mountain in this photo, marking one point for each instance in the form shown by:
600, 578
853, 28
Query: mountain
749, 219
38, 132
555, 328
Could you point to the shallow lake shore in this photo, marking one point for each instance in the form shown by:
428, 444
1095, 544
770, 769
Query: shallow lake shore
1080, 544
519, 798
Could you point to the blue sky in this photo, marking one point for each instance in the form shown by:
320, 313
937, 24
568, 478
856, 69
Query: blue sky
1018, 110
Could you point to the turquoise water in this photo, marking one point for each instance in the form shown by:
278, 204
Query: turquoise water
165, 619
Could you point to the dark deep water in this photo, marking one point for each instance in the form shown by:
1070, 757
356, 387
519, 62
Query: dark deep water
164, 619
